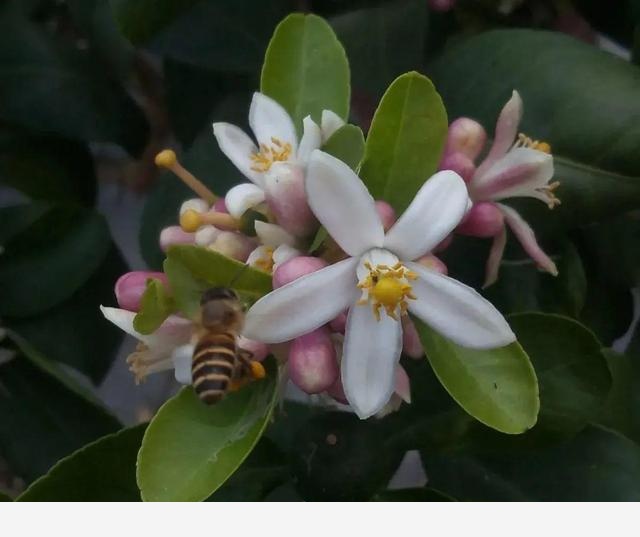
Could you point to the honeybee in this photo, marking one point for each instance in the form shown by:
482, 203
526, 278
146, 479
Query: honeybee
218, 365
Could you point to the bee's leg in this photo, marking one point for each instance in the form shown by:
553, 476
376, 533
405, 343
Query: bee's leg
253, 369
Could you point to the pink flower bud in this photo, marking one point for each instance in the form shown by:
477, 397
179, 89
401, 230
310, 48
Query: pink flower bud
444, 244
411, 344
433, 263
130, 287
336, 391
312, 361
339, 324
175, 235
459, 163
258, 349
442, 5
295, 268
233, 245
287, 199
386, 213
483, 220
465, 136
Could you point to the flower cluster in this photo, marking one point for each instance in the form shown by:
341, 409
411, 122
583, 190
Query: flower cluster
340, 317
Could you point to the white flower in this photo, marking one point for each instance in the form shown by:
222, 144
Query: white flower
378, 282
167, 348
277, 151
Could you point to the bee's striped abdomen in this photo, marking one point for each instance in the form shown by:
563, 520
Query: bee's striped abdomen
213, 365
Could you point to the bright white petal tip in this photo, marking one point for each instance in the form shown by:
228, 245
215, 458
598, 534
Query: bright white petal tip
243, 197
238, 148
269, 120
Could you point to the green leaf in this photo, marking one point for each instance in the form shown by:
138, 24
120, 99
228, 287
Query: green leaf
346, 144
52, 258
306, 70
498, 387
193, 269
578, 124
53, 87
572, 373
44, 414
45, 167
74, 332
5, 498
190, 449
103, 471
156, 305
424, 494
382, 42
596, 465
405, 141
620, 406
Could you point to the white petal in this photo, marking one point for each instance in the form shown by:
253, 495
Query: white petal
123, 319
196, 204
260, 257
270, 120
375, 256
273, 235
457, 311
342, 203
238, 148
311, 139
206, 235
242, 197
527, 239
437, 209
302, 305
182, 359
506, 130
284, 253
522, 172
371, 353
330, 122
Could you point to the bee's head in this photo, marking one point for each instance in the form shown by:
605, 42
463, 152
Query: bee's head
218, 293
221, 309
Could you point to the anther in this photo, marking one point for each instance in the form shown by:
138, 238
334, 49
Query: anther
167, 159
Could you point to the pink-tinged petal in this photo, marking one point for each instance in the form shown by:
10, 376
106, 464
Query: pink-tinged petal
527, 238
459, 163
175, 235
457, 311
506, 131
330, 122
284, 253
287, 199
386, 213
130, 287
495, 258
269, 120
238, 148
371, 353
343, 204
259, 351
312, 361
303, 305
296, 268
411, 344
310, 141
465, 136
403, 385
339, 324
243, 197
433, 263
336, 391
437, 209
483, 220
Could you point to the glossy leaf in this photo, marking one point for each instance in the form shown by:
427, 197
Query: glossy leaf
156, 305
306, 70
346, 144
103, 471
572, 373
193, 269
51, 259
44, 414
405, 141
579, 125
498, 387
596, 465
190, 449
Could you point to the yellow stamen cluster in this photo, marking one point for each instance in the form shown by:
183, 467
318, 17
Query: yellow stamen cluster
387, 287
524, 141
140, 362
552, 199
278, 151
265, 263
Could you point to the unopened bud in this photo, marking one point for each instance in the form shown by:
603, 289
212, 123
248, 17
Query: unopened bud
459, 163
131, 286
339, 324
465, 136
483, 220
312, 361
296, 268
174, 235
233, 245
